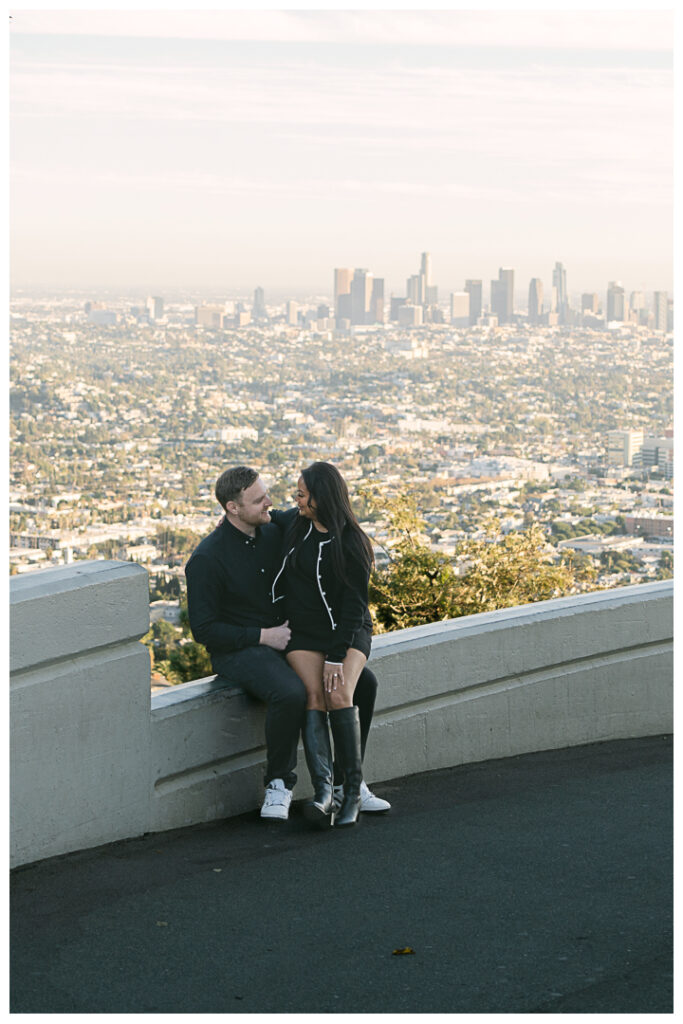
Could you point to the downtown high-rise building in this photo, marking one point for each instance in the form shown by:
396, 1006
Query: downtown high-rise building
258, 310
395, 303
661, 311
562, 300
358, 297
342, 293
636, 301
474, 290
376, 310
415, 290
535, 300
426, 269
419, 288
429, 290
460, 309
155, 307
342, 282
590, 303
616, 303
409, 315
361, 293
502, 295
292, 313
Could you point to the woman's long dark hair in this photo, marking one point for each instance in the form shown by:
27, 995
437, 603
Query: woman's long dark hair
329, 493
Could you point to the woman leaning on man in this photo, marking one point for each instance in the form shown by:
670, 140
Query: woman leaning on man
324, 582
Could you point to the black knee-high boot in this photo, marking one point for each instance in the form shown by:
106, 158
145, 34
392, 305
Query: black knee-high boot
316, 737
345, 726
364, 699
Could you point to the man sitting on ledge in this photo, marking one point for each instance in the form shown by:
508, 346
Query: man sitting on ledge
231, 612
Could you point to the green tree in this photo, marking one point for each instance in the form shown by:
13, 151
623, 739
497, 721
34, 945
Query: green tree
419, 586
189, 660
161, 640
665, 566
175, 655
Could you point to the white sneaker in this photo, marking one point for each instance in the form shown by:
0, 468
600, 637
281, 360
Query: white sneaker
368, 800
277, 801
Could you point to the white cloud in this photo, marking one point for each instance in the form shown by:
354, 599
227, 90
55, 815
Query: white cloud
618, 185
580, 29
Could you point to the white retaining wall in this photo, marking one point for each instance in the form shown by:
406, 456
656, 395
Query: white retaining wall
93, 759
79, 708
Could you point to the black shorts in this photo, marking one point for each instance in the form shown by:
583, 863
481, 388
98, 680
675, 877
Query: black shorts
300, 641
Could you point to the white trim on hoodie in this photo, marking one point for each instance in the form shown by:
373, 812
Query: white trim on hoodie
317, 573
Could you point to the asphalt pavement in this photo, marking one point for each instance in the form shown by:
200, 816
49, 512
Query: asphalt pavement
534, 884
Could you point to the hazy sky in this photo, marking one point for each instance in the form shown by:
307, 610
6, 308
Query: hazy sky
231, 149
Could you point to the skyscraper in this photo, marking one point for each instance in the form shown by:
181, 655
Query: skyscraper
661, 311
502, 295
342, 294
426, 269
460, 309
292, 314
560, 283
475, 292
415, 290
506, 276
259, 307
497, 299
535, 300
155, 307
376, 312
430, 292
361, 291
616, 302
395, 304
410, 316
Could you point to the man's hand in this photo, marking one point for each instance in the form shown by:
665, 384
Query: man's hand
276, 637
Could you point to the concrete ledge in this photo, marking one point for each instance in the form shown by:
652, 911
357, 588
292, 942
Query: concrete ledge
79, 708
58, 613
92, 761
79, 754
208, 753
542, 676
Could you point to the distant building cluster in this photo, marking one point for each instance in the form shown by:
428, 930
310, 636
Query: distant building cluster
360, 299
636, 449
98, 313
567, 427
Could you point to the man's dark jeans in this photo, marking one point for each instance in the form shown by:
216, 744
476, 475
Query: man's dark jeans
263, 673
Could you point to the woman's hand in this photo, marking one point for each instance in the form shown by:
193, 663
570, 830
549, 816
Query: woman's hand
333, 676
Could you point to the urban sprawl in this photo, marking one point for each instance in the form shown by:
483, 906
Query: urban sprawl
548, 408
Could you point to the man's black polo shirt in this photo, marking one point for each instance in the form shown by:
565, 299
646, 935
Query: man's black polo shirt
229, 578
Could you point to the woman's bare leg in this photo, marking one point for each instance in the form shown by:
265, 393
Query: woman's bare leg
308, 665
342, 695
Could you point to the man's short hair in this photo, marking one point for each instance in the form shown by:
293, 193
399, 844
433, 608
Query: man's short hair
232, 482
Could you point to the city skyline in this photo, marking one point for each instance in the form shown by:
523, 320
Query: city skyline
243, 149
340, 281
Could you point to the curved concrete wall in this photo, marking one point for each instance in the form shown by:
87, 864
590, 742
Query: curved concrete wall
79, 708
92, 761
542, 676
